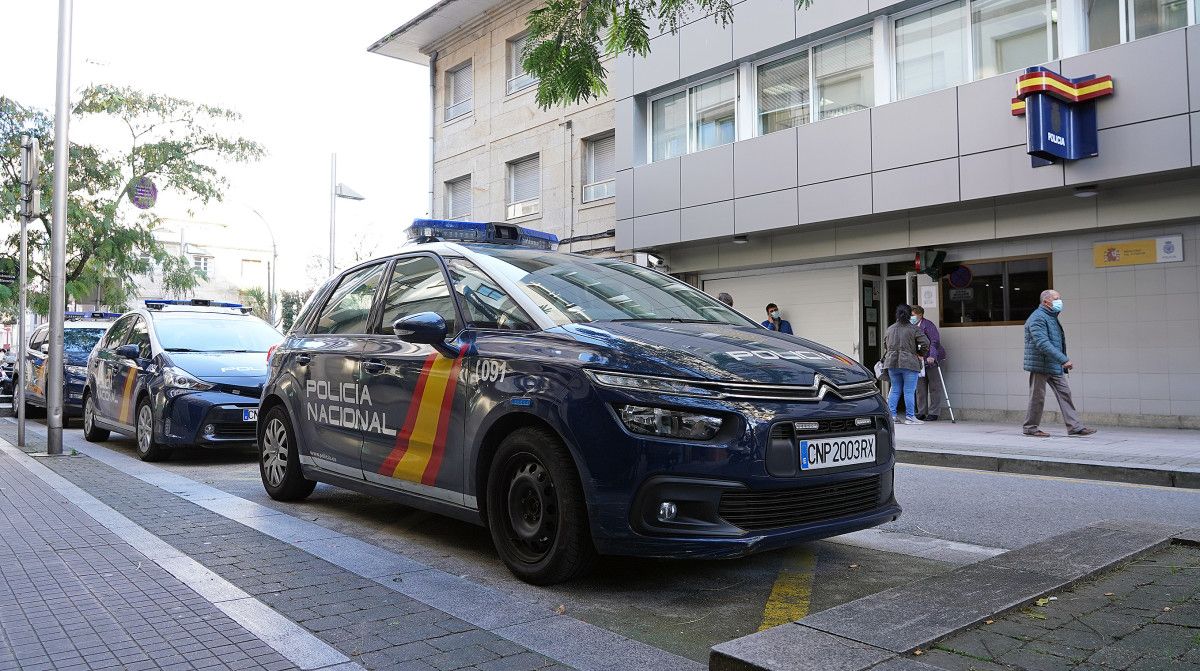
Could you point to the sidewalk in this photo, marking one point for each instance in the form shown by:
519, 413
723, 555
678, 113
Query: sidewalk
1166, 457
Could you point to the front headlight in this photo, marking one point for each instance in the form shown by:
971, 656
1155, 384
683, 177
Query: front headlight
669, 423
81, 371
642, 383
177, 378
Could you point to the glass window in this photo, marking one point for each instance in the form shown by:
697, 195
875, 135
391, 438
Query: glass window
1151, 17
81, 341
458, 198
1012, 34
116, 333
783, 93
714, 113
484, 304
517, 77
844, 70
202, 263
524, 187
139, 335
459, 84
1005, 291
183, 332
349, 306
417, 285
599, 168
668, 130
931, 50
40, 337
1104, 23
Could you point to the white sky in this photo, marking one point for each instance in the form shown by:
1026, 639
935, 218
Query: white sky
300, 74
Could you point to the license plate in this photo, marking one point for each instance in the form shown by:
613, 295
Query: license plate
250, 415
834, 452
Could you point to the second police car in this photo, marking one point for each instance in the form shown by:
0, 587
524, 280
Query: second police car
81, 332
575, 405
178, 372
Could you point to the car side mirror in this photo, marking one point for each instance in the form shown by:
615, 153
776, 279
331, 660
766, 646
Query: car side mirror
44, 348
424, 328
128, 352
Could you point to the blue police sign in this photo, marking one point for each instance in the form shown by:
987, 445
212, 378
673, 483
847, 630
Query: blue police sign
1061, 114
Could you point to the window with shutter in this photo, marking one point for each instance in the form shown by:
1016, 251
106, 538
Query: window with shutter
459, 85
599, 168
844, 70
458, 198
517, 77
524, 187
783, 93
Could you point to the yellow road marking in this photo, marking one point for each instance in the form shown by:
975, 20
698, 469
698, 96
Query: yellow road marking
790, 595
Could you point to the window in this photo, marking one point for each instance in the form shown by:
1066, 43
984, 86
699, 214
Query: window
484, 304
524, 187
517, 77
955, 42
599, 168
1115, 21
458, 198
698, 118
140, 336
459, 84
202, 263
349, 306
996, 292
668, 126
417, 285
251, 269
838, 75
116, 333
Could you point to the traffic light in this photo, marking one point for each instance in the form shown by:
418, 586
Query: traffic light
929, 262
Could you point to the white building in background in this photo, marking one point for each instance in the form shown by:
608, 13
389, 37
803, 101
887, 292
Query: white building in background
235, 256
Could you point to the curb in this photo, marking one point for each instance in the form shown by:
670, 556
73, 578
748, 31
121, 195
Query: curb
875, 632
1081, 470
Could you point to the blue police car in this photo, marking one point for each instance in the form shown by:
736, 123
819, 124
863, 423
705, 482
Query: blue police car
81, 332
178, 372
574, 405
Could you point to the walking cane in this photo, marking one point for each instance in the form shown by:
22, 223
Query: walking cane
946, 392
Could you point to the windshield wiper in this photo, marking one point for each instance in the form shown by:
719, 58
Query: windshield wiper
181, 349
675, 320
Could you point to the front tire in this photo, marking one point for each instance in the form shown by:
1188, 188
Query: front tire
91, 432
147, 448
279, 459
536, 510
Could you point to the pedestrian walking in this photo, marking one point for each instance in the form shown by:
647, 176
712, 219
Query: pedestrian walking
930, 393
775, 322
725, 298
904, 345
1048, 364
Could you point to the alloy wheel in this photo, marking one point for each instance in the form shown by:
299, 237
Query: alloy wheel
89, 419
275, 452
145, 429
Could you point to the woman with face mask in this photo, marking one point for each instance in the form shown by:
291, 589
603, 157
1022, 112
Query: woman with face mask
775, 322
903, 347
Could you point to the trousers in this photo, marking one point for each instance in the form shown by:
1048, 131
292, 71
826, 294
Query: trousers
903, 380
930, 393
1037, 401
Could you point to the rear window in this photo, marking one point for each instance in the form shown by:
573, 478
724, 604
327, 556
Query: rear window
212, 333
81, 341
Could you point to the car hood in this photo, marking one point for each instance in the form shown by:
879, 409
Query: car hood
712, 351
221, 366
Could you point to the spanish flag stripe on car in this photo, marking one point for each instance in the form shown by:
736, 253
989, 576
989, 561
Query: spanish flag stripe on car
421, 442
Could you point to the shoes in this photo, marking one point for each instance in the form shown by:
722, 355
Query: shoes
1038, 434
912, 420
1081, 432
921, 417
929, 418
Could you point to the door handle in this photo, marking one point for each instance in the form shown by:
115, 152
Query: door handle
374, 366
303, 359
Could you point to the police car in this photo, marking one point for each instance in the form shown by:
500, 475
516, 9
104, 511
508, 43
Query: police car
574, 405
178, 372
81, 332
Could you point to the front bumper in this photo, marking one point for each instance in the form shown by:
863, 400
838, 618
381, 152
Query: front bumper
188, 418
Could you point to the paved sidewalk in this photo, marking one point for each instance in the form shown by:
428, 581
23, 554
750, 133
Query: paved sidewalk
73, 595
1169, 457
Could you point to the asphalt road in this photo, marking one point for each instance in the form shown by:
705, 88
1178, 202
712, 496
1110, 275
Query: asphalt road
688, 606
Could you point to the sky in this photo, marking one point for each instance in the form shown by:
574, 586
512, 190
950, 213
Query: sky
299, 73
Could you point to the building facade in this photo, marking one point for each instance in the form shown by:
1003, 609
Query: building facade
804, 157
497, 156
234, 258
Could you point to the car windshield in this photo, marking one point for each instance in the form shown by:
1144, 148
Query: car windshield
81, 341
214, 333
570, 288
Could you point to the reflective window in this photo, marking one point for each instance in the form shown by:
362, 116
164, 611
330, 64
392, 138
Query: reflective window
599, 168
139, 335
183, 332
844, 70
484, 304
417, 285
669, 126
1012, 34
931, 50
1151, 17
784, 93
714, 113
349, 306
1115, 21
1004, 291
81, 341
117, 332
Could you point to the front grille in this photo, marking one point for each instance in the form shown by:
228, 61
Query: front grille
789, 431
234, 430
780, 508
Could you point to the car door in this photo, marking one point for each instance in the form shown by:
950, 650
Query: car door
106, 381
33, 372
126, 371
327, 364
412, 425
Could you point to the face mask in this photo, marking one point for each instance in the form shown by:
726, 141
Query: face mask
1056, 305
775, 314
914, 320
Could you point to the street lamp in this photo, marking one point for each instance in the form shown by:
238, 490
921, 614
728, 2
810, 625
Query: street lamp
272, 284
336, 191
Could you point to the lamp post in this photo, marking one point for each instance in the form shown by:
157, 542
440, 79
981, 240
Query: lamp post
58, 233
336, 191
272, 284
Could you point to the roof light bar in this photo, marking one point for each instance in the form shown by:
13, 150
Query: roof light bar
443, 230
160, 303
77, 316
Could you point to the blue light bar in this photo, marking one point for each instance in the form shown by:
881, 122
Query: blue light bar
427, 230
160, 303
91, 315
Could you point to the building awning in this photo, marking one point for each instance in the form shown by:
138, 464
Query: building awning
411, 41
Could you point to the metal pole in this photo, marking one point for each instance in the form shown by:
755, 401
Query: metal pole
31, 208
272, 284
58, 233
332, 207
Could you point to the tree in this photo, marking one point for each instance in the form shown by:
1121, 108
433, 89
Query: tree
568, 38
255, 299
174, 142
290, 303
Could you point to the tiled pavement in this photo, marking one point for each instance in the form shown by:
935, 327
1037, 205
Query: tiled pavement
370, 623
73, 595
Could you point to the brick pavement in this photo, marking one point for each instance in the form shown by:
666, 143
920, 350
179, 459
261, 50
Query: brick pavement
73, 595
372, 624
1144, 616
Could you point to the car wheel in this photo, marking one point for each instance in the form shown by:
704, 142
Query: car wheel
536, 510
279, 459
91, 432
147, 448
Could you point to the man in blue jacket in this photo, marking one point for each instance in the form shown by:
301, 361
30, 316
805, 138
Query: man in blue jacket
1047, 362
775, 322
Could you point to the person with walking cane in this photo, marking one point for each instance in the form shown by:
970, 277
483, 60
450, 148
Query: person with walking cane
930, 391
